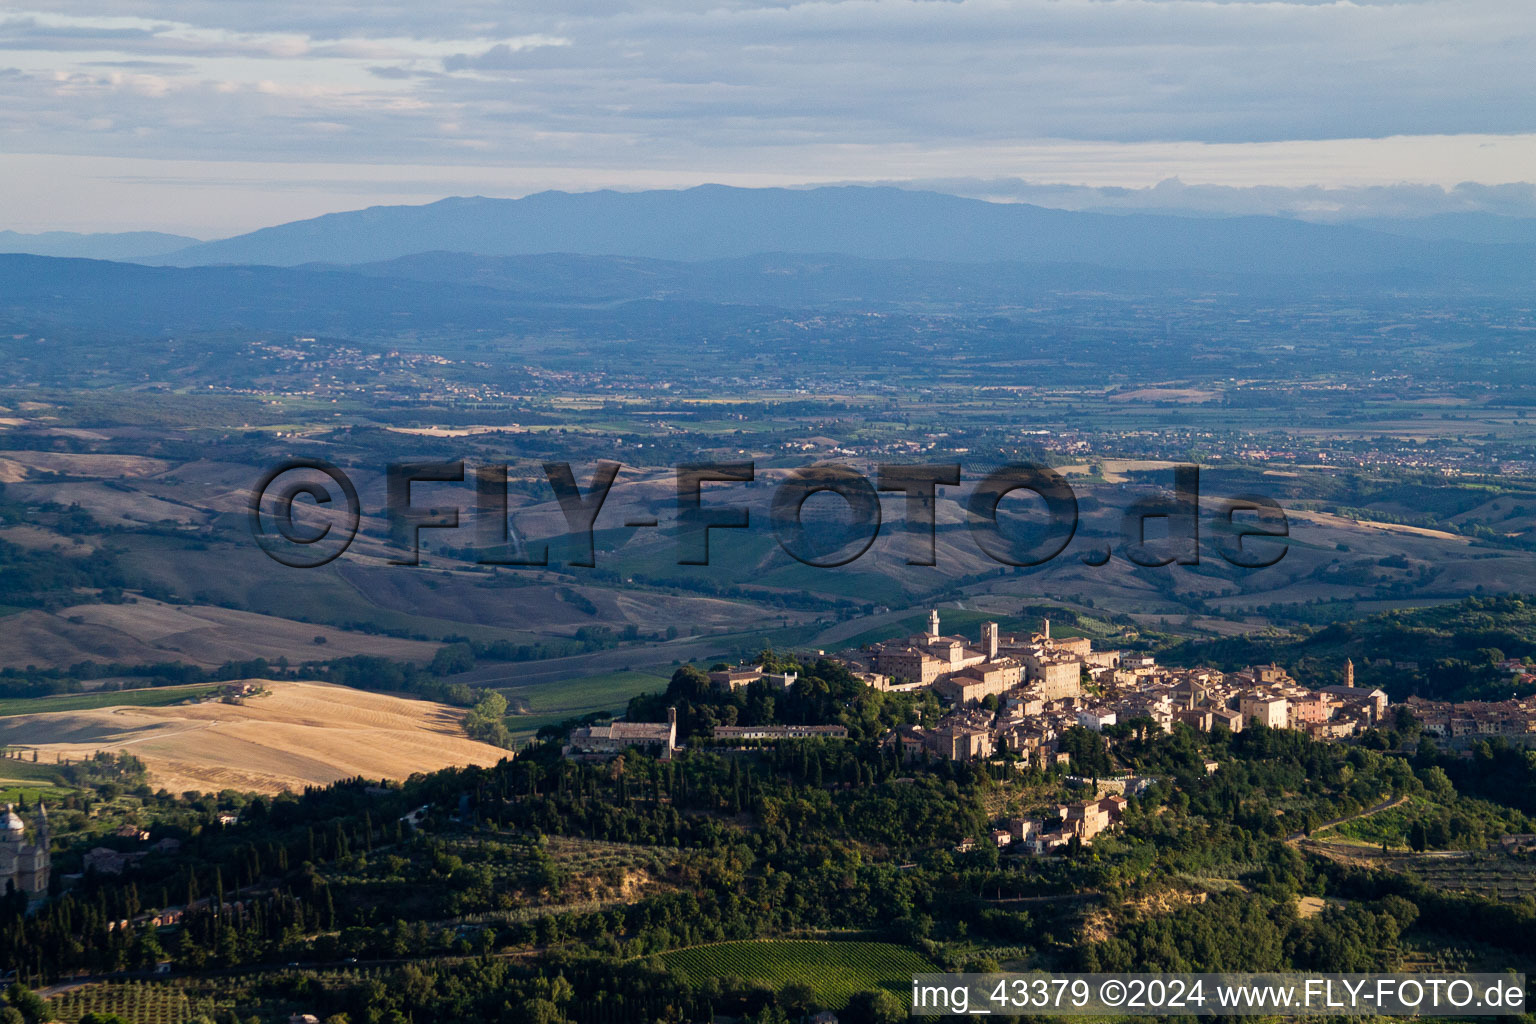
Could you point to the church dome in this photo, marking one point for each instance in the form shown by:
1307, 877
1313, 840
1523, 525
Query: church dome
10, 824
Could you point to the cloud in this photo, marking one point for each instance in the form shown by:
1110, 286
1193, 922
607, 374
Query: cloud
143, 65
501, 56
880, 70
31, 34
913, 88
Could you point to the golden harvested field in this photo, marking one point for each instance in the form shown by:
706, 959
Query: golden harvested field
1115, 470
298, 734
1343, 523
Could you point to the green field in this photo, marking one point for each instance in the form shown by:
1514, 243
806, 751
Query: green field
26, 782
153, 697
16, 770
551, 703
863, 585
835, 971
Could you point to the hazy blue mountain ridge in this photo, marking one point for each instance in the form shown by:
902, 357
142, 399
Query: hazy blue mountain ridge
124, 245
718, 222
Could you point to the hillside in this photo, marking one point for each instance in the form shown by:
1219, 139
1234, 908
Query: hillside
147, 632
296, 735
1446, 652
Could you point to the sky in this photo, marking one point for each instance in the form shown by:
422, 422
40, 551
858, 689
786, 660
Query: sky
210, 118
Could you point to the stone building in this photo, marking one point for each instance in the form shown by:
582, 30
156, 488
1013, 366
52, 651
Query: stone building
963, 672
596, 742
24, 867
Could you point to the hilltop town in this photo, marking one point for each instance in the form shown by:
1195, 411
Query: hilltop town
1016, 697
1021, 692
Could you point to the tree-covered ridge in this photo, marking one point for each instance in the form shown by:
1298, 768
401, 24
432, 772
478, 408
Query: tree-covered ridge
1443, 652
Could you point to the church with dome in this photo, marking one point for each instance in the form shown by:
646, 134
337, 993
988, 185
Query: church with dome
24, 866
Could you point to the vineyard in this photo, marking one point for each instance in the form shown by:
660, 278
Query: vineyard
1493, 876
136, 1002
267, 995
834, 970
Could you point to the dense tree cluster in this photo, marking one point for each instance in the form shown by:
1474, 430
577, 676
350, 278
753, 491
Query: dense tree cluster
1456, 649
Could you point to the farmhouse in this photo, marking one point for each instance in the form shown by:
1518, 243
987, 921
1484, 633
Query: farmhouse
598, 742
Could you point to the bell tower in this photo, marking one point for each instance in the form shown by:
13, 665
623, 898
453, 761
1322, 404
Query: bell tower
989, 641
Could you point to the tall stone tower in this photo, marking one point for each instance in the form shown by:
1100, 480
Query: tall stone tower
1045, 628
1349, 672
933, 623
989, 642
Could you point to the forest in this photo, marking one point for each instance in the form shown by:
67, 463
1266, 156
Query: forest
1445, 652
548, 890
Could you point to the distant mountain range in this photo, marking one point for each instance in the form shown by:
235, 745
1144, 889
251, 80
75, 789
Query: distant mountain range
718, 223
715, 222
589, 259
128, 245
1462, 227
